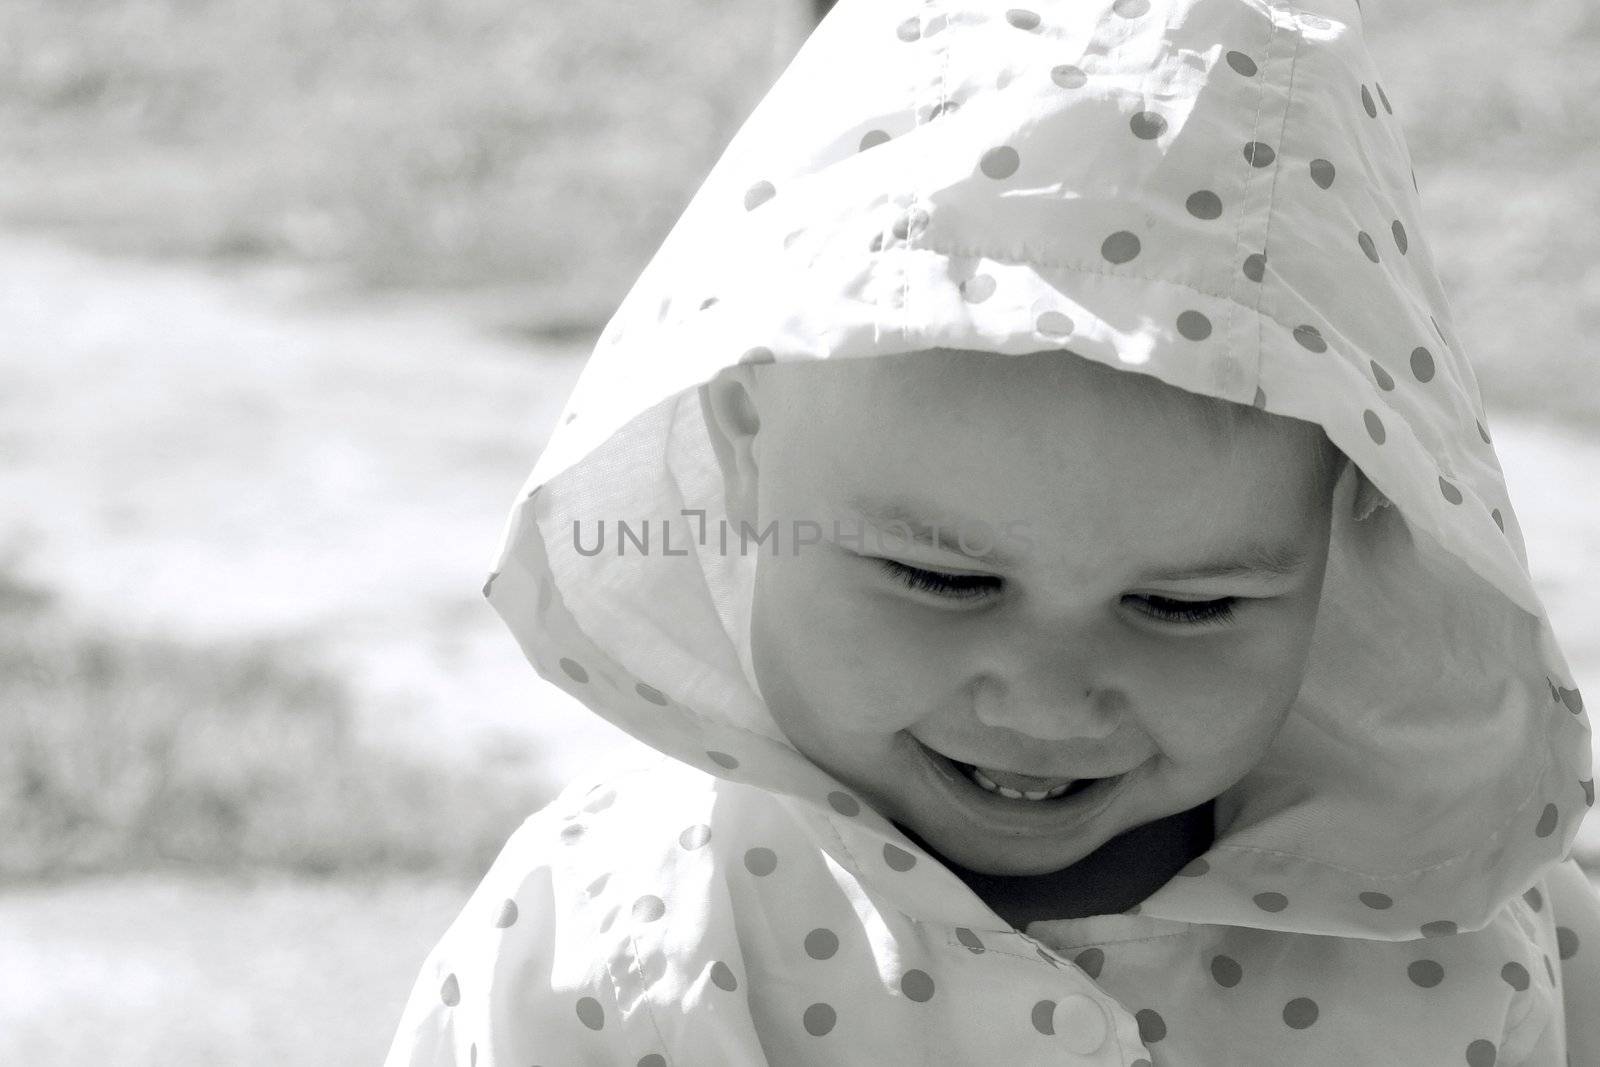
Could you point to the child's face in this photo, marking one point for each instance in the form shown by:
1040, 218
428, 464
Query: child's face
1084, 654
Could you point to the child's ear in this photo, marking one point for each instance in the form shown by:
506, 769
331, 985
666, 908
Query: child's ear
728, 403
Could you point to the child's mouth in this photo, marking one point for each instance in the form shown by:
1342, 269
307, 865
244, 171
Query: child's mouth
1013, 786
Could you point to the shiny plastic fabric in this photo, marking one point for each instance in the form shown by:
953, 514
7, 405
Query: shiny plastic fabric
1213, 192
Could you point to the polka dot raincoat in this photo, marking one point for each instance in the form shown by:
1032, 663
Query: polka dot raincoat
1213, 192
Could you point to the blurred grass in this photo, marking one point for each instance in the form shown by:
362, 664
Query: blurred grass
123, 752
529, 146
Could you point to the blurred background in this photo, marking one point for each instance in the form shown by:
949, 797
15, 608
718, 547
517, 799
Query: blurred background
290, 293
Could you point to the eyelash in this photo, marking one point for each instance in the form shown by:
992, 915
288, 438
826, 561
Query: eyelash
977, 586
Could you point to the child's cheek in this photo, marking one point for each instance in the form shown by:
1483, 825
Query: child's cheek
1211, 698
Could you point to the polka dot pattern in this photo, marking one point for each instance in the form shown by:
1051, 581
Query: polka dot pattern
590, 1013
574, 670
1259, 154
1023, 19
844, 804
898, 858
1152, 1027
1204, 204
1566, 942
822, 943
1226, 971
1482, 1053
758, 194
450, 991
977, 289
1375, 428
648, 908
1120, 247
1000, 163
694, 837
1271, 902
723, 978
1194, 326
1091, 961
1425, 973
1439, 928
1300, 1013
872, 139
917, 985
969, 940
1068, 76
1147, 125
1131, 9
1369, 248
1310, 338
1053, 324
1241, 63
508, 914
1549, 818
1377, 901
653, 1059
1322, 172
1255, 266
760, 861
1422, 367
819, 1019
1516, 976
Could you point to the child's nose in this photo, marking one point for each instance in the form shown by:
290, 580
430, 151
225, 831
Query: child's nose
1050, 693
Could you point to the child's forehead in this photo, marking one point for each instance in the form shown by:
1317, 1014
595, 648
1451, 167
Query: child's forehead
978, 425
984, 392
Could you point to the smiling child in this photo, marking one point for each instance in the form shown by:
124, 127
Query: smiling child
1039, 508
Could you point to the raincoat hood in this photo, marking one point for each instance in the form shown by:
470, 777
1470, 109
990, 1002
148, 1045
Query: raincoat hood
1213, 192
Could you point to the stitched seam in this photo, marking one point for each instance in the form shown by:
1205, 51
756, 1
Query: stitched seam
1238, 229
941, 81
953, 942
1272, 194
649, 1008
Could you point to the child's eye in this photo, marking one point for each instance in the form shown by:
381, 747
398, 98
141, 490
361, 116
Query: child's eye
953, 586
1187, 611
978, 586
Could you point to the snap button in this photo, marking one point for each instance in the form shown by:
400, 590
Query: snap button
1080, 1024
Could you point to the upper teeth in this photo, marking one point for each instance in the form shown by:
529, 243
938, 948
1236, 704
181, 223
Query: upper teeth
1017, 794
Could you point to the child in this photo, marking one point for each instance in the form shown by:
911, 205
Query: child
1037, 504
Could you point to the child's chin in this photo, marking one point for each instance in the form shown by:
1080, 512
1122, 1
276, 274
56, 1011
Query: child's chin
1017, 858
1020, 862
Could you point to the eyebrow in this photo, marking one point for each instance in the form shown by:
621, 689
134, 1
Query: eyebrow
1252, 559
